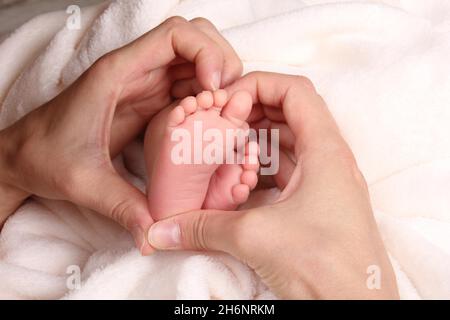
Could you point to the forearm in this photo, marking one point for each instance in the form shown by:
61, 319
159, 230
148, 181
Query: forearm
11, 197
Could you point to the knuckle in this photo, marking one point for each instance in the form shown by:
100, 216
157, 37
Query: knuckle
202, 22
175, 21
105, 64
199, 236
305, 82
255, 74
67, 181
105, 60
120, 211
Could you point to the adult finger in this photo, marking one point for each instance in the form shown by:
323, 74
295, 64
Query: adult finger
232, 68
182, 71
106, 192
322, 155
176, 37
201, 230
305, 111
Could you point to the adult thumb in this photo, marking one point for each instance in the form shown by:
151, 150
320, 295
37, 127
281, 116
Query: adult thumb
109, 194
197, 230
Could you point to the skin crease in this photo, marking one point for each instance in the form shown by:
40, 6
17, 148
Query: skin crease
326, 234
63, 149
327, 237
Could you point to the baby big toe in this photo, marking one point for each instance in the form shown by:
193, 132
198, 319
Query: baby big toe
238, 109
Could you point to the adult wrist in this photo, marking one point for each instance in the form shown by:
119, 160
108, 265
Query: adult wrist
11, 197
365, 276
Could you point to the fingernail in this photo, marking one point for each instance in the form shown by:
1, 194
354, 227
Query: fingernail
139, 237
216, 80
165, 236
226, 80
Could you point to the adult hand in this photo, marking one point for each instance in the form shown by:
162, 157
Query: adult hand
319, 239
63, 149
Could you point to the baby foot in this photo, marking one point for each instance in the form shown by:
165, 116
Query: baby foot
231, 184
176, 186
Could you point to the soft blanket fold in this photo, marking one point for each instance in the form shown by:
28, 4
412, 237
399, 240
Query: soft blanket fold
383, 68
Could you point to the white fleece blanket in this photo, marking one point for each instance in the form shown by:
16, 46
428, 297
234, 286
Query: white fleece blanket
382, 66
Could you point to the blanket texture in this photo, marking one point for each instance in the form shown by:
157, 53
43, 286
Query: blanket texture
382, 66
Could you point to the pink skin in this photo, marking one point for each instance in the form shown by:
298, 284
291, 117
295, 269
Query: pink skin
177, 188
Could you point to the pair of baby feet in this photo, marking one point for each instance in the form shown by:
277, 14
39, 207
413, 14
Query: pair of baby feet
203, 122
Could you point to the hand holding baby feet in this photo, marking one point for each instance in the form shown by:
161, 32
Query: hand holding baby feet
198, 155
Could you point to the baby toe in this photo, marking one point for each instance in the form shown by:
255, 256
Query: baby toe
252, 156
249, 178
205, 99
176, 116
238, 109
240, 193
220, 98
251, 163
189, 104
